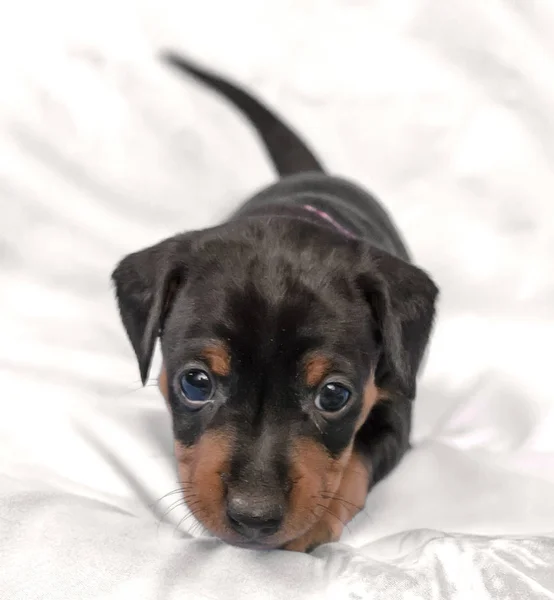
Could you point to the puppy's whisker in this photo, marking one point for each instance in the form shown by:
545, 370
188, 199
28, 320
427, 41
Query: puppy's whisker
175, 491
181, 491
186, 518
361, 509
181, 502
342, 500
176, 504
198, 528
134, 390
194, 513
330, 512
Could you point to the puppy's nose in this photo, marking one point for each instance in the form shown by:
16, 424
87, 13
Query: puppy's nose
254, 518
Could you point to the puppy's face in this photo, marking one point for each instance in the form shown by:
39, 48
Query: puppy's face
277, 340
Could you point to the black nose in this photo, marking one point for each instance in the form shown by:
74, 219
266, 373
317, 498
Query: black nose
254, 518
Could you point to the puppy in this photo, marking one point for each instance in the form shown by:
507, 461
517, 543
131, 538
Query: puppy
291, 336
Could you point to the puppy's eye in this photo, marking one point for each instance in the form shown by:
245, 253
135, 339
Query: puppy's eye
196, 386
332, 397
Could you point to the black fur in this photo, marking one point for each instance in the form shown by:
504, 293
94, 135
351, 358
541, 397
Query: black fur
274, 283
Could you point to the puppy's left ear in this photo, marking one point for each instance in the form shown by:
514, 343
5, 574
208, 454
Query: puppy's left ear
145, 285
402, 298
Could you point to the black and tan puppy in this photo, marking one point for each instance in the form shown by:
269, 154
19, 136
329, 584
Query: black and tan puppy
291, 338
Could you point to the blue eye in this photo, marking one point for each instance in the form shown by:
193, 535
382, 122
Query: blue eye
196, 386
332, 397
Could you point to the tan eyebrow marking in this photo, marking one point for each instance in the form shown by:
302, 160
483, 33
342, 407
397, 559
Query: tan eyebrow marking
316, 368
218, 359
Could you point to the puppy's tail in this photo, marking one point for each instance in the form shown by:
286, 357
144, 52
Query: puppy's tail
287, 151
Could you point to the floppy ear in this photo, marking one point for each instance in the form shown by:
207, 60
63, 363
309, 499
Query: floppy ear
402, 298
145, 285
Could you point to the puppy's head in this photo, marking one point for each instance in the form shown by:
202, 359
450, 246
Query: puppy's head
277, 340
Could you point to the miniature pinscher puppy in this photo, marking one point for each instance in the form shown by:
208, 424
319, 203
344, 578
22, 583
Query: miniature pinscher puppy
291, 337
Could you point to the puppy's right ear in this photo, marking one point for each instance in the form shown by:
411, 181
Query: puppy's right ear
403, 299
145, 285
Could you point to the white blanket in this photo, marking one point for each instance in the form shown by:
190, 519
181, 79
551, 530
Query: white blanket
445, 109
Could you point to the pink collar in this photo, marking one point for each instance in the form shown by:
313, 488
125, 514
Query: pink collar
329, 219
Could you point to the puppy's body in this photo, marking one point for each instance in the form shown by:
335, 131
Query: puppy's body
352, 209
300, 324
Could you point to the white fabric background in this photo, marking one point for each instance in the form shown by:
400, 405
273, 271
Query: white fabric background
445, 111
